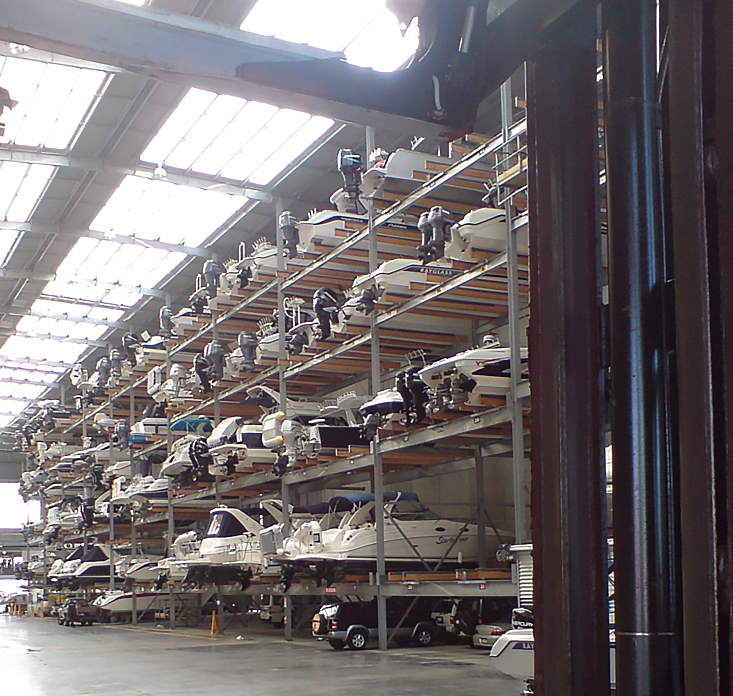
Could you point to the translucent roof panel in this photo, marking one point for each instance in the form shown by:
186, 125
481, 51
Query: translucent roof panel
61, 328
12, 407
41, 348
159, 210
365, 31
129, 265
21, 187
233, 138
7, 242
6, 420
53, 101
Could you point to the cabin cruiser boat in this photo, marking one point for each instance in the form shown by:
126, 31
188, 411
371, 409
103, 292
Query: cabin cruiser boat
464, 377
63, 567
352, 541
185, 549
152, 491
189, 456
237, 446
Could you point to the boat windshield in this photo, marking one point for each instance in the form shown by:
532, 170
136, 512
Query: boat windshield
224, 524
412, 511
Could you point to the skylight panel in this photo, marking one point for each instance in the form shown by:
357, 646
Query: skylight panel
159, 210
21, 187
290, 150
21, 348
232, 138
52, 101
74, 291
337, 26
209, 127
13, 407
7, 242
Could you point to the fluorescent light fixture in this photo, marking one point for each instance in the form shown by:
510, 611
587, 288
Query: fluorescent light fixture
365, 31
159, 210
233, 138
7, 242
21, 187
53, 101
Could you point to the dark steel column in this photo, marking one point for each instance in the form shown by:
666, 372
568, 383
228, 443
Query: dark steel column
724, 183
568, 470
643, 578
694, 369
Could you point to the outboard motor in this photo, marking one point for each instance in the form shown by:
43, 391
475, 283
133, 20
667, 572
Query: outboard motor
115, 364
215, 354
326, 306
130, 341
211, 272
425, 250
166, 322
201, 368
349, 165
198, 452
288, 226
522, 617
247, 343
121, 435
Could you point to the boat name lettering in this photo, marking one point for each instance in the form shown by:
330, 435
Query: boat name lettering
449, 539
523, 646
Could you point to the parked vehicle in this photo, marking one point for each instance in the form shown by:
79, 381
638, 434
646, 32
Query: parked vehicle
354, 624
443, 615
487, 634
473, 612
77, 610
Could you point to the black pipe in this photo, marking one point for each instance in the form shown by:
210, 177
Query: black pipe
643, 519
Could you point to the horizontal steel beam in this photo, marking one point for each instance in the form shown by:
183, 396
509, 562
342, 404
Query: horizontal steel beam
13, 311
395, 443
28, 155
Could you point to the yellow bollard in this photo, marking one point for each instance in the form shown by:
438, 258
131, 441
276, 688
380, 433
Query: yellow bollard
40, 611
33, 611
214, 626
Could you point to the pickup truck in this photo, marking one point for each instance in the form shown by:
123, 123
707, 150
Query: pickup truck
77, 610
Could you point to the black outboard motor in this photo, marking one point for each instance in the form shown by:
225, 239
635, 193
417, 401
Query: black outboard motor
522, 617
201, 367
349, 165
201, 457
115, 363
215, 354
326, 306
129, 342
288, 225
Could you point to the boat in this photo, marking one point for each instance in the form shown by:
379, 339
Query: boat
237, 446
152, 491
462, 378
347, 535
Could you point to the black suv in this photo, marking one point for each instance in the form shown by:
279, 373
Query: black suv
354, 624
484, 610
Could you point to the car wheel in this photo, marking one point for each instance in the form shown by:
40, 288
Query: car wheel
336, 644
423, 636
358, 639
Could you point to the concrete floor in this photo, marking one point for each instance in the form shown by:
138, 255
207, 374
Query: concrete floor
40, 658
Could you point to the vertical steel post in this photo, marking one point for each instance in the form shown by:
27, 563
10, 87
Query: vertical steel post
282, 361
376, 375
111, 505
568, 468
133, 553
171, 532
519, 463
643, 531
694, 359
723, 28
480, 507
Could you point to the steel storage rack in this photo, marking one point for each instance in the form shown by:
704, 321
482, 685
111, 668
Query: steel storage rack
478, 298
